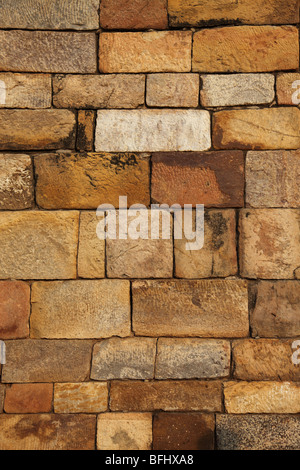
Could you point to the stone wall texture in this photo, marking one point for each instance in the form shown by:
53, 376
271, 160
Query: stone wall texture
146, 344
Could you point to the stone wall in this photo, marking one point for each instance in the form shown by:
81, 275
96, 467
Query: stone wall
143, 344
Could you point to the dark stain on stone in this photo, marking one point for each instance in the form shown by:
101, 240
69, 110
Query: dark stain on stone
218, 224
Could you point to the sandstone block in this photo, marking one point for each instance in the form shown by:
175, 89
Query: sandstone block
91, 250
54, 52
86, 397
16, 182
46, 361
178, 90
152, 130
257, 129
53, 235
80, 309
25, 90
190, 308
213, 179
98, 91
269, 243
246, 49
181, 395
2, 393
288, 88
136, 14
124, 431
86, 130
192, 358
28, 398
91, 179
14, 309
129, 358
154, 51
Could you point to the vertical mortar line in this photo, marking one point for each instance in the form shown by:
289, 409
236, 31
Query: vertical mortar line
145, 92
155, 360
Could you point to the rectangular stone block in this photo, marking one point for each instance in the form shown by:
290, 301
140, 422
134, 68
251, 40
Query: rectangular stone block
47, 432
51, 235
276, 309
257, 129
25, 90
145, 257
86, 130
288, 89
80, 309
124, 431
54, 52
2, 393
152, 130
258, 432
218, 256
190, 308
129, 358
262, 397
14, 309
91, 250
272, 179
98, 91
214, 12
136, 14
269, 243
237, 90
246, 49
16, 182
192, 358
53, 14
215, 179
153, 51
26, 129
173, 395
86, 397
90, 180
264, 359
179, 90
46, 361
29, 398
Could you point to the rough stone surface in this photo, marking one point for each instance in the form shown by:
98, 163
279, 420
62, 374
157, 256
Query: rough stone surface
190, 308
16, 182
264, 359
80, 309
218, 257
91, 179
214, 179
168, 396
53, 52
246, 49
54, 236
91, 250
129, 358
192, 358
141, 258
87, 397
98, 91
86, 130
154, 51
2, 392
257, 129
47, 432
152, 130
26, 129
53, 14
46, 361
288, 88
183, 431
28, 398
124, 431
136, 14
14, 309
214, 12
276, 311
237, 90
258, 432
262, 397
25, 90
272, 179
173, 90
269, 243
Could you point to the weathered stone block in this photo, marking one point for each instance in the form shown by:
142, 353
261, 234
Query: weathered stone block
86, 130
124, 431
28, 398
16, 182
178, 90
14, 309
136, 14
91, 250
288, 88
25, 90
86, 397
